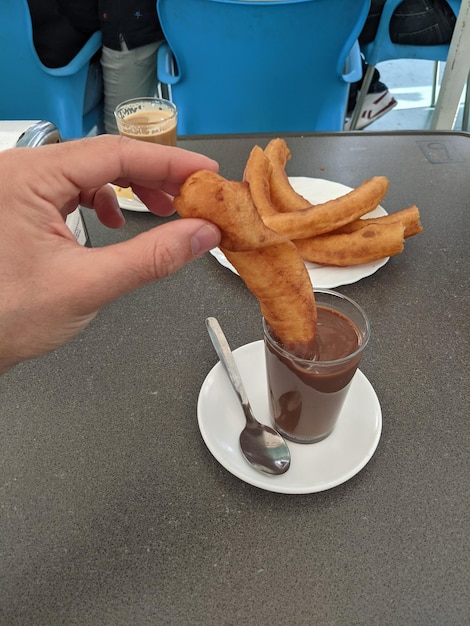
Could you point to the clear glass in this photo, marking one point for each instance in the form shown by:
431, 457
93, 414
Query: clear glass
148, 119
306, 396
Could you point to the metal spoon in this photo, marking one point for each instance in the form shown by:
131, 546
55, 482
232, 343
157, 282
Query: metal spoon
262, 446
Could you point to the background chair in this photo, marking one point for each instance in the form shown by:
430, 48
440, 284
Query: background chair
32, 91
261, 66
383, 49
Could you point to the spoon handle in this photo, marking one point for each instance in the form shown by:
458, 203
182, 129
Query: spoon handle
220, 343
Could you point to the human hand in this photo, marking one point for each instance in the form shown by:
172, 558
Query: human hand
50, 286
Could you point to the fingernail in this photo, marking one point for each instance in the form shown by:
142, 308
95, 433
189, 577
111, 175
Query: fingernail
206, 238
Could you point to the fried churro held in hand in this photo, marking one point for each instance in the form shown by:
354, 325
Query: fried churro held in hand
228, 204
269, 264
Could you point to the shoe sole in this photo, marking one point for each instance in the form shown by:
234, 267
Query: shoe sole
367, 117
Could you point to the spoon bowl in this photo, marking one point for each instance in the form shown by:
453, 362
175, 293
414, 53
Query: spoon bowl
262, 446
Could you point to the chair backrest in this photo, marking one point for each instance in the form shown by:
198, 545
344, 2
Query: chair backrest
383, 49
30, 90
260, 66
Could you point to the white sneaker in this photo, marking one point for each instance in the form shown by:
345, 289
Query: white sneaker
375, 105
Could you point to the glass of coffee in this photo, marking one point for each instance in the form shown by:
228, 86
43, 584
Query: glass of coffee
148, 119
306, 396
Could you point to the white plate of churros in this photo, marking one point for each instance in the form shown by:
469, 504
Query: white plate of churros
314, 467
317, 190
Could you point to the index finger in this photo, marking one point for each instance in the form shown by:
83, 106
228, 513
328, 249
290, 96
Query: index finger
95, 161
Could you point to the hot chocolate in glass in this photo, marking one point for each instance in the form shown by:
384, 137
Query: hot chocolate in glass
306, 396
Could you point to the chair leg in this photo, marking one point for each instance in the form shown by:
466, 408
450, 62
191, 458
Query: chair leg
361, 96
455, 73
435, 83
164, 91
466, 107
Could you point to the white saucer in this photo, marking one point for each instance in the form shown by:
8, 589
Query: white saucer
317, 190
314, 467
130, 204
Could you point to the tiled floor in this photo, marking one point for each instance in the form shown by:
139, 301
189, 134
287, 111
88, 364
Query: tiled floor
410, 81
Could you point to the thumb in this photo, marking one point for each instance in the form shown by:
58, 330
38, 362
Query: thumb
112, 271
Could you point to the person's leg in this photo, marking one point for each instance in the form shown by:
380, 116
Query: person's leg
94, 86
127, 74
372, 22
415, 22
422, 23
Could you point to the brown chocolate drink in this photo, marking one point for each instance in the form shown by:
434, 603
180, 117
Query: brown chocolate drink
306, 397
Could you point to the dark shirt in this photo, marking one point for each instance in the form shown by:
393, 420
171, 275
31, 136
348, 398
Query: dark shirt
135, 21
61, 28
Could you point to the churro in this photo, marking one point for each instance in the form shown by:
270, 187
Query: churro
257, 174
267, 240
331, 215
269, 263
409, 217
283, 195
366, 244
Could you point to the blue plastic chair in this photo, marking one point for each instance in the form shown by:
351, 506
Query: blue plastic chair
243, 67
383, 49
32, 91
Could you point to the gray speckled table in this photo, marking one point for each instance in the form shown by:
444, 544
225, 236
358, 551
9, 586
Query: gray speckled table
113, 511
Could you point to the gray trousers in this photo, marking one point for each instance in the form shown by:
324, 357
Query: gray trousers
127, 74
